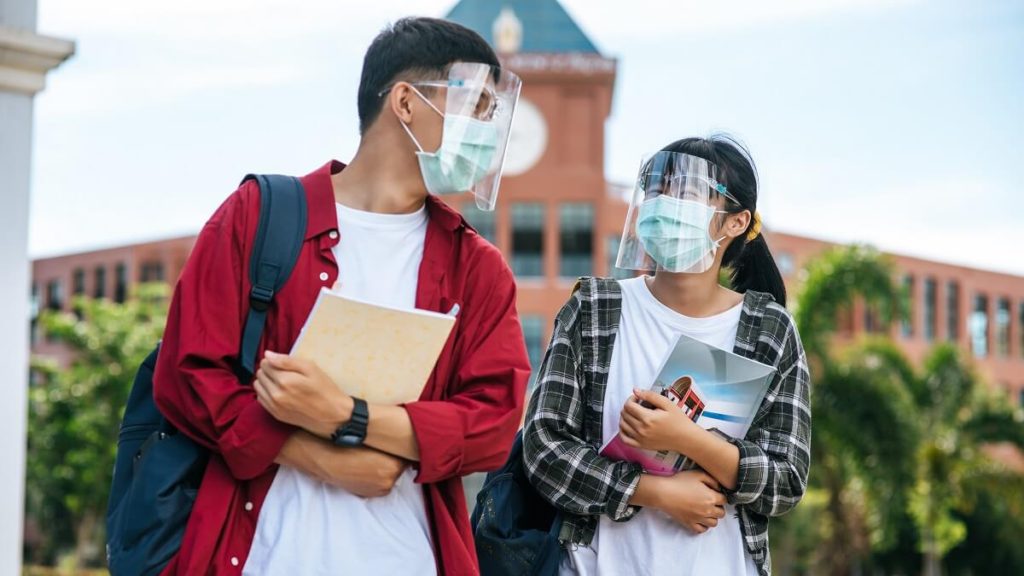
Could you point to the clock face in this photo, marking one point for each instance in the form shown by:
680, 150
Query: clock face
527, 139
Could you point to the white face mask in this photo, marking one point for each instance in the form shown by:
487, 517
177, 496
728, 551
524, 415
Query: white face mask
676, 233
464, 158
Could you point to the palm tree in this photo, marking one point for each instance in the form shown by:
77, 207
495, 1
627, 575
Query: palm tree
898, 452
862, 439
958, 415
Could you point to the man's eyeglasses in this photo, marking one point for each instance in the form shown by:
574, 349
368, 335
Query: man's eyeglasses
485, 106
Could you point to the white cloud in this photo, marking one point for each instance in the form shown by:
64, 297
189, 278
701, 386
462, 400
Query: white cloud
270, 20
168, 56
653, 20
952, 219
224, 20
143, 54
99, 92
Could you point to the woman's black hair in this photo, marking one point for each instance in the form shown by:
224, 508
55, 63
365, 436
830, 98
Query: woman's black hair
752, 264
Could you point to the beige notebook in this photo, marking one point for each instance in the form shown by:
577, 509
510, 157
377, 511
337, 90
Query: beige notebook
380, 354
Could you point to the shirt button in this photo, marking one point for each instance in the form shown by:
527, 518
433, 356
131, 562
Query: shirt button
323, 276
248, 506
234, 561
333, 235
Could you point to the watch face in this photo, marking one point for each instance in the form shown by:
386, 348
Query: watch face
527, 139
350, 440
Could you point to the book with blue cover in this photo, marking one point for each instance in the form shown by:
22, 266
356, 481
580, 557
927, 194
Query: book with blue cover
719, 390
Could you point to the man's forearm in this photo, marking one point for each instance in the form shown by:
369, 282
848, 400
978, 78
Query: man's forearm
308, 454
390, 430
361, 470
302, 451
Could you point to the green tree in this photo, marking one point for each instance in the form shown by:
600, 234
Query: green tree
958, 415
900, 469
861, 438
74, 414
955, 417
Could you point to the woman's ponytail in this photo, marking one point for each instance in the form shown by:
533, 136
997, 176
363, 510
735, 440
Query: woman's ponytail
754, 268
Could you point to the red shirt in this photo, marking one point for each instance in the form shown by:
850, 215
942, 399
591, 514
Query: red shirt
464, 422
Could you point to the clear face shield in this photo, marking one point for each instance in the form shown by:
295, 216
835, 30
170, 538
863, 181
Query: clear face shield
479, 104
670, 217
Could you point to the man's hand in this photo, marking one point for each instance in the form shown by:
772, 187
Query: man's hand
298, 392
692, 498
362, 471
664, 427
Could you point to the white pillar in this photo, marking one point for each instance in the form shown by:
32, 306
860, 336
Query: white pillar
15, 142
25, 58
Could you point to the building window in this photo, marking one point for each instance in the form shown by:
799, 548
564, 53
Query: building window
54, 295
78, 282
533, 334
952, 311
845, 321
978, 326
152, 272
907, 324
34, 315
100, 285
872, 320
576, 231
528, 239
1003, 328
481, 220
1020, 330
930, 291
612, 244
120, 282
1020, 393
784, 260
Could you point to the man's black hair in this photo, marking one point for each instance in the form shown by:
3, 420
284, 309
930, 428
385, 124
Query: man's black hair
415, 49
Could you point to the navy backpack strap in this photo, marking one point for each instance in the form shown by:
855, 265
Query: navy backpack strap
279, 236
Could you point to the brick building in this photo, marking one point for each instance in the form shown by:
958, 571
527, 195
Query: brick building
557, 218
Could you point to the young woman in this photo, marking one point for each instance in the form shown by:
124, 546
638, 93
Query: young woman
694, 211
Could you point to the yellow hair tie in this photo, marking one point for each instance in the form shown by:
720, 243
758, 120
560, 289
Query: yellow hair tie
755, 230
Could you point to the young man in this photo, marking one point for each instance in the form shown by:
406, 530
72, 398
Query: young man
279, 495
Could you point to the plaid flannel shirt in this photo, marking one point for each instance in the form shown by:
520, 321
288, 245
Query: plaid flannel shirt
562, 434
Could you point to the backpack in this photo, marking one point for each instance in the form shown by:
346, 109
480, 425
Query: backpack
157, 471
515, 529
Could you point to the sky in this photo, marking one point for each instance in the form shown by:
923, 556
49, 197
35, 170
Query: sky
897, 123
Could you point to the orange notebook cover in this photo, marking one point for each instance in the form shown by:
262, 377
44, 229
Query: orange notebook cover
381, 354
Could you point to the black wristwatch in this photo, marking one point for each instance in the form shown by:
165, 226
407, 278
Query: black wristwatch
353, 432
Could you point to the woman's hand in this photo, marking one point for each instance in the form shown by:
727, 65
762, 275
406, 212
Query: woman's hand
692, 498
663, 427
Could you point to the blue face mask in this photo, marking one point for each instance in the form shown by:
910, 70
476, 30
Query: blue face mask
464, 158
676, 233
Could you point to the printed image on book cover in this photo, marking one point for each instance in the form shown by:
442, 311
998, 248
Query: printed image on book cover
719, 390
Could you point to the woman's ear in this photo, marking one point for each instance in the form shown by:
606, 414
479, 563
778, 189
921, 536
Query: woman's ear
738, 223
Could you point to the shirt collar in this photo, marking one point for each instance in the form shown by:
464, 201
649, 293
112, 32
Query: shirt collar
322, 216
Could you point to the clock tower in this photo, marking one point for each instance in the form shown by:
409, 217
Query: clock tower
553, 199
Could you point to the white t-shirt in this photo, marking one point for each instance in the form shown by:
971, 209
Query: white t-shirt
309, 528
651, 542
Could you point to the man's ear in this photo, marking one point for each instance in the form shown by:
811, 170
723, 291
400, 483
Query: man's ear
400, 99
